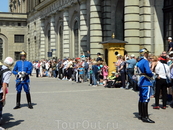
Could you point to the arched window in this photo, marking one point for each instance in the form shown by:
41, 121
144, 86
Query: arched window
168, 23
1, 49
29, 49
61, 42
76, 39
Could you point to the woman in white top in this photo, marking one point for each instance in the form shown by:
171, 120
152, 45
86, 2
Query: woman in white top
162, 71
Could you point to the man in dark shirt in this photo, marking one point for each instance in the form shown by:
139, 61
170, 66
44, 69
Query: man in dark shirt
99, 58
170, 44
88, 55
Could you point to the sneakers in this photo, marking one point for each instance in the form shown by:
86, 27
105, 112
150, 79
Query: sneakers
94, 86
163, 107
69, 80
156, 107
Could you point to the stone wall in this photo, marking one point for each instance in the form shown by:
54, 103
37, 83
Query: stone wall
10, 25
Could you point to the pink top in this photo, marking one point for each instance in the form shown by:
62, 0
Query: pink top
105, 71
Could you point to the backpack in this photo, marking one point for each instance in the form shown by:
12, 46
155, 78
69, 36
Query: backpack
2, 71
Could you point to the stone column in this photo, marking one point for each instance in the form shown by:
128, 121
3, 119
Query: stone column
95, 28
146, 27
132, 26
66, 34
106, 10
52, 36
42, 40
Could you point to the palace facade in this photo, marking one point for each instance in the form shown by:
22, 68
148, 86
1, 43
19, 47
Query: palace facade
65, 28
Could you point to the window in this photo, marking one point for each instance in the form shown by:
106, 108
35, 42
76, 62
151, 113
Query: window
1, 49
19, 24
19, 38
17, 55
34, 25
168, 23
76, 38
49, 40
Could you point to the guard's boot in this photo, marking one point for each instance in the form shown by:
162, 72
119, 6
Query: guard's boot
145, 117
28, 96
140, 110
17, 101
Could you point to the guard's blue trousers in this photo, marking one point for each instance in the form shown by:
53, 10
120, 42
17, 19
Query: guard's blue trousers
25, 87
144, 94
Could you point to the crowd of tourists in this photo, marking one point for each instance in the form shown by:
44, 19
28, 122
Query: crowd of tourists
95, 72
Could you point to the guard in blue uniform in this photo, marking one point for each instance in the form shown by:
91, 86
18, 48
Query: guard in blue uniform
22, 70
144, 85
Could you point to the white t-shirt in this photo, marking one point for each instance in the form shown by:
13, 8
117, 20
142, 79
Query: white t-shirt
70, 64
6, 77
65, 64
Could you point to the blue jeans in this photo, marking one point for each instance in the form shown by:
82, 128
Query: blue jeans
1, 105
153, 87
54, 73
94, 79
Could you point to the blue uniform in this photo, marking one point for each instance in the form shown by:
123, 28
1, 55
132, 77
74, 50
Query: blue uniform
22, 66
144, 83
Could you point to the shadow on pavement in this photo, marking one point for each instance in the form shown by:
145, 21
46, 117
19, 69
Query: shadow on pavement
8, 121
136, 114
26, 105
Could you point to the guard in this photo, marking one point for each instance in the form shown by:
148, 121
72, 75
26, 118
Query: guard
144, 84
22, 70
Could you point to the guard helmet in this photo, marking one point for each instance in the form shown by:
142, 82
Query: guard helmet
143, 51
23, 53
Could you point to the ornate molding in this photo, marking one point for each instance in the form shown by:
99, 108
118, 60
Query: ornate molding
52, 7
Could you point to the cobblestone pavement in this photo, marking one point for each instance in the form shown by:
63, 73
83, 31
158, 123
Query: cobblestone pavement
64, 105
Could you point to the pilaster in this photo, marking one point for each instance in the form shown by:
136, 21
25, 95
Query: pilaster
42, 40
52, 36
66, 47
131, 16
95, 27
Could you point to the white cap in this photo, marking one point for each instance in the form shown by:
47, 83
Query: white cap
169, 38
118, 55
132, 55
171, 52
8, 61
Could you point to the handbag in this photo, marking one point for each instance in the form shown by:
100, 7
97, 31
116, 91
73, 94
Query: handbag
168, 81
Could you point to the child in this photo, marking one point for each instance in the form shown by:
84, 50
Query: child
81, 73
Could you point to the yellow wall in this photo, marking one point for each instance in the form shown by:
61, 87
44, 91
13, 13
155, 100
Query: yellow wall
112, 48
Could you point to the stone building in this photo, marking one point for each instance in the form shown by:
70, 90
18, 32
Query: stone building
13, 34
66, 28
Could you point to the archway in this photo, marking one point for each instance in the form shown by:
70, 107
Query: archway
1, 49
4, 47
61, 42
76, 39
168, 23
119, 20
106, 56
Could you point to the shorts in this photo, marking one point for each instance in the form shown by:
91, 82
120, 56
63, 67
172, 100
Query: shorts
81, 76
